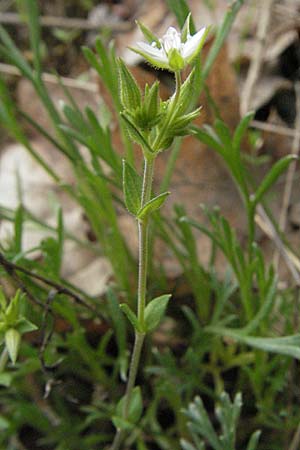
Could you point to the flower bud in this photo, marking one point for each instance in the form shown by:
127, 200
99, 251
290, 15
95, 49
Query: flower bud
12, 343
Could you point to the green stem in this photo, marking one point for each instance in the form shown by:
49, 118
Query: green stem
251, 228
142, 288
143, 228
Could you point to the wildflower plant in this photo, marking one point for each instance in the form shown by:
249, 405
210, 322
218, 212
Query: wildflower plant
152, 124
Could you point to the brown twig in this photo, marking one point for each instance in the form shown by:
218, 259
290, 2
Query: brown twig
8, 69
291, 172
268, 228
67, 22
256, 62
273, 128
12, 268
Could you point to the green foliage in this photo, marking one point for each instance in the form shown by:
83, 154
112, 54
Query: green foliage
155, 311
202, 431
223, 333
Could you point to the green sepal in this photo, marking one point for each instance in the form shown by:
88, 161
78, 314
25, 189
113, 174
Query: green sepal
176, 61
12, 343
153, 205
186, 93
152, 61
130, 93
178, 126
151, 101
134, 412
132, 188
149, 36
185, 33
131, 317
155, 311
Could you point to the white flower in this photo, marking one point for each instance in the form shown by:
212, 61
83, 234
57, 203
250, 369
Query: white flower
171, 52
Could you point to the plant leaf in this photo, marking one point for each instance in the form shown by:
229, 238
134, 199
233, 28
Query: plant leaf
132, 188
135, 407
286, 345
241, 130
252, 444
272, 176
153, 205
181, 10
155, 311
135, 134
131, 316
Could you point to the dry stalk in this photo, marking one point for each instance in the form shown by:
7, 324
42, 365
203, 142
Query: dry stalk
290, 174
256, 61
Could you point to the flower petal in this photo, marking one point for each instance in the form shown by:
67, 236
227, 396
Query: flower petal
193, 44
156, 57
158, 53
171, 40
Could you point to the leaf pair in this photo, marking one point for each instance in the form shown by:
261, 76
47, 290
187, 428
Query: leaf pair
154, 313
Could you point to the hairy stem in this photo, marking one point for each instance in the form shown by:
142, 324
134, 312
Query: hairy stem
142, 288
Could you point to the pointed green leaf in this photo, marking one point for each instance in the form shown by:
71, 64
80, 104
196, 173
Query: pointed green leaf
148, 35
25, 326
32, 13
287, 345
252, 444
155, 311
132, 188
208, 138
10, 51
271, 177
92, 59
152, 100
135, 406
130, 93
181, 10
135, 134
185, 32
13, 309
224, 134
131, 316
12, 343
153, 205
241, 130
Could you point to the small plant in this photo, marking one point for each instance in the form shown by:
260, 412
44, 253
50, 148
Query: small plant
203, 432
13, 324
153, 124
